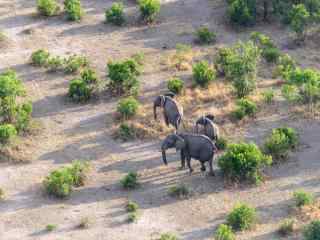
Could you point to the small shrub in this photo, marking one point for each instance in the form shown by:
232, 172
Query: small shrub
79, 171
290, 93
285, 66
132, 217
312, 231
269, 50
2, 194
149, 9
203, 74
74, 63
51, 227
40, 57
298, 20
55, 64
73, 9
47, 7
130, 181
179, 191
268, 96
115, 14
242, 217
168, 236
224, 232
132, 206
242, 12
175, 85
84, 223
271, 54
139, 58
79, 90
222, 143
7, 132
123, 77
126, 132
303, 198
89, 76
280, 142
23, 116
243, 162
286, 227
204, 36
245, 107
128, 107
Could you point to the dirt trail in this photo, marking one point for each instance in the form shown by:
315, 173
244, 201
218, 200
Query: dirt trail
82, 132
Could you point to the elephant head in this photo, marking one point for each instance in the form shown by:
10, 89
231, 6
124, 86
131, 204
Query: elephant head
158, 102
203, 121
210, 117
172, 141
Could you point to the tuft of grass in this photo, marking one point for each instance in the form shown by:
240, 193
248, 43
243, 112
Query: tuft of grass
224, 232
168, 236
51, 227
303, 198
286, 227
179, 191
132, 206
130, 181
242, 217
268, 96
133, 217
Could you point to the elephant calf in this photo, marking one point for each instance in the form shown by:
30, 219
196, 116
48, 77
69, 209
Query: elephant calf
172, 112
195, 146
210, 128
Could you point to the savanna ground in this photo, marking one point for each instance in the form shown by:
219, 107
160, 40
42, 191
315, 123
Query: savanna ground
70, 131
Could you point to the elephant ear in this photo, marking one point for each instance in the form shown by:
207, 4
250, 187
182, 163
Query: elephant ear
180, 144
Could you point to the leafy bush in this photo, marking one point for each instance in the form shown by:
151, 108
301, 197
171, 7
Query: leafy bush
123, 77
285, 65
73, 9
242, 217
224, 232
23, 116
175, 85
271, 54
149, 9
126, 132
269, 51
243, 162
204, 36
179, 191
242, 12
268, 96
55, 63
115, 14
290, 93
51, 227
244, 107
168, 236
132, 206
74, 63
280, 142
7, 132
130, 181
132, 217
298, 19
79, 90
203, 74
79, 171
303, 198
40, 57
128, 107
47, 7
286, 227
221, 143
89, 76
312, 231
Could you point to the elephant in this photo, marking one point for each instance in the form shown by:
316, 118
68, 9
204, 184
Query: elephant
172, 112
210, 128
195, 146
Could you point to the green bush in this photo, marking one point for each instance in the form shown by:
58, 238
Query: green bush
179, 191
89, 76
221, 143
268, 96
79, 171
168, 236
130, 181
73, 9
243, 162
23, 116
242, 217
312, 231
51, 227
47, 7
244, 107
175, 85
286, 227
139, 58
132, 206
115, 14
269, 51
79, 90
224, 232
280, 142
303, 198
126, 132
128, 107
203, 74
74, 63
40, 57
55, 64
242, 12
271, 54
205, 36
7, 132
123, 77
149, 9
132, 217
298, 20
290, 93
285, 66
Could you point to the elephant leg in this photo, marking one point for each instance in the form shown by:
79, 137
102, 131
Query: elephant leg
183, 159
189, 164
203, 167
211, 167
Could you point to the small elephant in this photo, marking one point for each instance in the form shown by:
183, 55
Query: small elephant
195, 146
172, 112
210, 128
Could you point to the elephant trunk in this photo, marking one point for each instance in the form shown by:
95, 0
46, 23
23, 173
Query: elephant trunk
164, 157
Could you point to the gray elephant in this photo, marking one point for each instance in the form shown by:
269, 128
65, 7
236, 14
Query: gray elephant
210, 128
172, 112
195, 146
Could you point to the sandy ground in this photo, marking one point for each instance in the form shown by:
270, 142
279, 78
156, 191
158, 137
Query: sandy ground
83, 132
